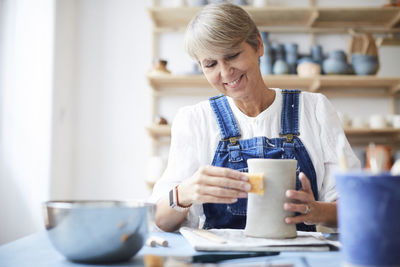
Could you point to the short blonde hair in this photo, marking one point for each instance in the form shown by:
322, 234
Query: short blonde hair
218, 28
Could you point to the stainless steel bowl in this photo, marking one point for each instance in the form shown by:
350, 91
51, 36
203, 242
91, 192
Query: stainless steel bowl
97, 231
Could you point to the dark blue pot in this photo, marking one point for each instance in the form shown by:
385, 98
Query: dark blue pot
365, 64
369, 218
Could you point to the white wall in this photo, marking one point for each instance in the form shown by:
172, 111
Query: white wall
104, 103
25, 114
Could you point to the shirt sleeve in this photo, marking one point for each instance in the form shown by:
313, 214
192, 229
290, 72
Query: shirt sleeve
182, 160
330, 130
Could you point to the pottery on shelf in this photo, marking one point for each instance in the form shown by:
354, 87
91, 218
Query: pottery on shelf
364, 64
307, 67
197, 2
216, 1
317, 54
280, 67
336, 63
291, 56
160, 67
240, 2
266, 61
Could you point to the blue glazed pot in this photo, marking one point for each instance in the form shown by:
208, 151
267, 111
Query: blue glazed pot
280, 67
368, 215
364, 64
335, 63
291, 56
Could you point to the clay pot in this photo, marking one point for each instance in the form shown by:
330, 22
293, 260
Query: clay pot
336, 63
364, 64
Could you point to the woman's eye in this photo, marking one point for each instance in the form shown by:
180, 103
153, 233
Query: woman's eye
233, 56
210, 65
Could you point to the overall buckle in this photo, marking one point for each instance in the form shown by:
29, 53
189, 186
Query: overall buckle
289, 137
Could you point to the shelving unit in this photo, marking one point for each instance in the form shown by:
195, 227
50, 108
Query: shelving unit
356, 135
281, 19
189, 84
311, 20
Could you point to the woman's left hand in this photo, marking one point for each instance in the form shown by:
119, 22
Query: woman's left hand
303, 202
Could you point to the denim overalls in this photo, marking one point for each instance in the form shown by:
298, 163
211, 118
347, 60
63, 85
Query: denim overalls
233, 152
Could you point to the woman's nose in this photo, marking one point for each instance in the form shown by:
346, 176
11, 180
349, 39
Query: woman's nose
226, 70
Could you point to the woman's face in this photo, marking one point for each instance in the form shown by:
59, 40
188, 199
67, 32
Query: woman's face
234, 74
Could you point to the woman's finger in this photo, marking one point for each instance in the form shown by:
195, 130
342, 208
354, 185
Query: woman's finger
228, 183
305, 183
300, 196
300, 208
223, 172
296, 219
220, 192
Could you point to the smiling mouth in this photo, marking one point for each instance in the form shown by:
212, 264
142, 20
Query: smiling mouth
235, 82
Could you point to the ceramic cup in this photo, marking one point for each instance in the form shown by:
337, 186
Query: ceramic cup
265, 213
377, 121
369, 219
358, 123
396, 121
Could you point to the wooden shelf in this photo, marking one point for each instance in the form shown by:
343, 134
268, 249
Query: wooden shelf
157, 131
385, 131
347, 85
293, 19
355, 135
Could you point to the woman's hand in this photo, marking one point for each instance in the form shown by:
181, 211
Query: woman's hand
212, 184
312, 211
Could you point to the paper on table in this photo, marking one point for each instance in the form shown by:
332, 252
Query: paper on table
236, 240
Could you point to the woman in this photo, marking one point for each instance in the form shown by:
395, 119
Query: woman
203, 185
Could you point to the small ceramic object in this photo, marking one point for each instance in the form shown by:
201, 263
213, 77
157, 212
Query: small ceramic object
308, 68
291, 56
178, 3
377, 121
336, 63
396, 121
160, 67
358, 123
280, 67
344, 119
278, 51
364, 64
265, 213
317, 54
216, 1
260, 3
266, 60
160, 121
197, 2
240, 2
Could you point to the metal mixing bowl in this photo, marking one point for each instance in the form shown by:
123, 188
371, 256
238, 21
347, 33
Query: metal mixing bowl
97, 231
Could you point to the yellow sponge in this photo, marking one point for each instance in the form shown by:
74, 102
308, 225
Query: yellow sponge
256, 181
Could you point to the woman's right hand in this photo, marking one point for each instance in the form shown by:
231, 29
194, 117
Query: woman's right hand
212, 184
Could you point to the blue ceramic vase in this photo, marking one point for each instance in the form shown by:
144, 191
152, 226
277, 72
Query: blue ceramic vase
336, 63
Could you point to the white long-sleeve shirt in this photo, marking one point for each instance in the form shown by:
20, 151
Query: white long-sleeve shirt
195, 136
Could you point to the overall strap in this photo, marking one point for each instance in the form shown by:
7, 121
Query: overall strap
225, 119
290, 114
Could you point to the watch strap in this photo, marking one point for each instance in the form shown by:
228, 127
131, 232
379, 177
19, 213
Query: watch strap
174, 202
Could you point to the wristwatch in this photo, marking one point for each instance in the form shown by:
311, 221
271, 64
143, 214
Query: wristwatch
173, 201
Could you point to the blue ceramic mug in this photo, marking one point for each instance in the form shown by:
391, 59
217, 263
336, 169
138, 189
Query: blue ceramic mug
369, 218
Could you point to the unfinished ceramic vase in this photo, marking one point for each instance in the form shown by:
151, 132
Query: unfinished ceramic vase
265, 213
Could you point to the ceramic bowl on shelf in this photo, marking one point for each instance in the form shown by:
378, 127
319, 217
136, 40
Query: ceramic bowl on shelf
307, 67
364, 64
97, 231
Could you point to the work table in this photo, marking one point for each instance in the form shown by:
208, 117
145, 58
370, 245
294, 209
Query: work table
36, 250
